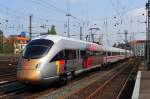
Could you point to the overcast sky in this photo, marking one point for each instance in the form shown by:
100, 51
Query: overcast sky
111, 16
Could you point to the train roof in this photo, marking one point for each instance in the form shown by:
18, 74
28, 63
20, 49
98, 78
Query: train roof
78, 43
56, 38
70, 41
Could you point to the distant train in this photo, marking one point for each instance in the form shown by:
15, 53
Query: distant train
51, 58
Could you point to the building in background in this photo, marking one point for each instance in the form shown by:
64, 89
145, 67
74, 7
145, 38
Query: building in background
138, 46
16, 43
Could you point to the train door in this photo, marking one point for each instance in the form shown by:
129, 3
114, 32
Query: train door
105, 57
98, 56
71, 60
80, 59
83, 58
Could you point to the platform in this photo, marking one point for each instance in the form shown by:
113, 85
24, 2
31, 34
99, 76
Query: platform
142, 86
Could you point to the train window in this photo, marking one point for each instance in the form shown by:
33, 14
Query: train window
98, 53
104, 53
59, 56
37, 48
43, 42
120, 53
115, 53
123, 53
108, 53
83, 53
33, 52
70, 54
90, 53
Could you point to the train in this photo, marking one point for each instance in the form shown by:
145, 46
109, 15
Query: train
51, 58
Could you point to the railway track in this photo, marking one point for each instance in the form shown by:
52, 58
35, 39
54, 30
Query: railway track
74, 80
33, 92
15, 90
113, 87
11, 88
7, 77
69, 90
109, 87
7, 71
7, 67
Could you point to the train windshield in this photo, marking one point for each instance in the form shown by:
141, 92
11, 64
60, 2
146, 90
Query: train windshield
37, 49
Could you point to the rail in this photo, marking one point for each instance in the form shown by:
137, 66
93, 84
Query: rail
105, 84
118, 81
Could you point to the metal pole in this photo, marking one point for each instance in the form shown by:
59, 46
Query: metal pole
92, 35
68, 15
146, 36
126, 41
147, 62
30, 26
134, 45
86, 37
106, 30
2, 40
130, 44
80, 32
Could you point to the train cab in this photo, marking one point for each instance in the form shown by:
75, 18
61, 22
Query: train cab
32, 57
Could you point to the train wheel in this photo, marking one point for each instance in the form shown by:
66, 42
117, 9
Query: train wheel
104, 65
63, 79
98, 68
73, 74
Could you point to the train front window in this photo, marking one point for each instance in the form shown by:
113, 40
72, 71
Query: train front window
42, 42
37, 49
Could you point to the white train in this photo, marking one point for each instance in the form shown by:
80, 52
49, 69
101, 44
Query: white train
49, 58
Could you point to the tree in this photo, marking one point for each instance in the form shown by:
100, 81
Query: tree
52, 31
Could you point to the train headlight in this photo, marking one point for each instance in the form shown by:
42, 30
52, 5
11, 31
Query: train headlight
38, 65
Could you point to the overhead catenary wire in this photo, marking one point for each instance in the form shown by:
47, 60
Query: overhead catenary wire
46, 4
116, 15
23, 17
